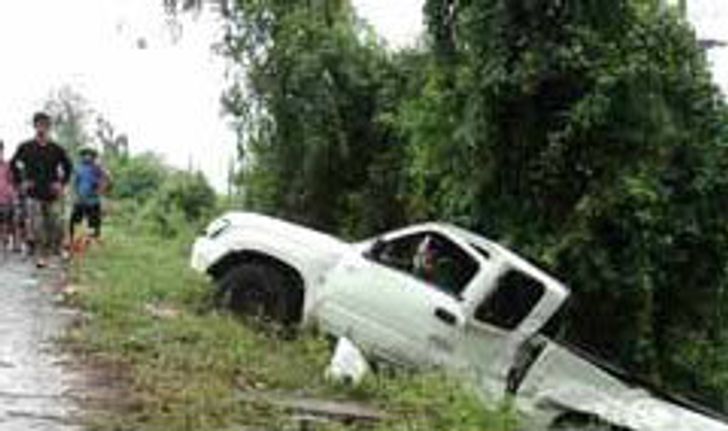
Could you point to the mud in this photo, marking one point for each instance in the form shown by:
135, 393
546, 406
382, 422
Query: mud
35, 386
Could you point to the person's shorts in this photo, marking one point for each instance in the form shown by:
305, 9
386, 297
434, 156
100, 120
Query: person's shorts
21, 210
89, 212
44, 226
7, 214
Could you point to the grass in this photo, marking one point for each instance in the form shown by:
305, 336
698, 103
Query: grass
185, 362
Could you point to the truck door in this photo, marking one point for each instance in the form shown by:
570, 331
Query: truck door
492, 337
401, 300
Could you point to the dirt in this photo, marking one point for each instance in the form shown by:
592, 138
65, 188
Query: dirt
37, 389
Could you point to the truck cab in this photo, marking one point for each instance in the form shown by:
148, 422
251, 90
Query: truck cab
437, 296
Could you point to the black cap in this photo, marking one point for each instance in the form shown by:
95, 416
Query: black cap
41, 116
88, 151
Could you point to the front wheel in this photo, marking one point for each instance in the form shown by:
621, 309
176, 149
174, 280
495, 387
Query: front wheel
582, 423
259, 291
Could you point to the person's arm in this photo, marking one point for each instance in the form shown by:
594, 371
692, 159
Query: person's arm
104, 180
18, 158
9, 175
66, 165
74, 181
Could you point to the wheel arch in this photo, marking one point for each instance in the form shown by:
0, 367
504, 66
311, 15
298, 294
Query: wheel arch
237, 257
296, 283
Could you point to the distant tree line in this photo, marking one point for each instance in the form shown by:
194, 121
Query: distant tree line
145, 190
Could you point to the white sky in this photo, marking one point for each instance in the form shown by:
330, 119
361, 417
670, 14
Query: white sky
399, 20
711, 18
166, 97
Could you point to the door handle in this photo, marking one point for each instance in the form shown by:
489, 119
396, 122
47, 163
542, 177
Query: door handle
446, 317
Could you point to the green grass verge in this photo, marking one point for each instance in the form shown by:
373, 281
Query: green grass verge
186, 363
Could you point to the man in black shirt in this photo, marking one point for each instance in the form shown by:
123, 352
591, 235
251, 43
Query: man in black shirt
42, 169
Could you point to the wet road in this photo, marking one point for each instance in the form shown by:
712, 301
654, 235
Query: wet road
34, 388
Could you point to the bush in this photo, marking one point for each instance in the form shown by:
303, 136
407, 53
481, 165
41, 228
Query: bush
190, 193
158, 199
137, 178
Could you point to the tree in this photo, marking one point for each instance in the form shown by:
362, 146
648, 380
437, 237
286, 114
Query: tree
113, 144
70, 113
588, 135
308, 108
139, 177
188, 192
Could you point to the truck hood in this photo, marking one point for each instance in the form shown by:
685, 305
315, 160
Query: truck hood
566, 381
310, 251
313, 239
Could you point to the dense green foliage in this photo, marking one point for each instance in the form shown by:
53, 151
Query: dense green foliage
165, 200
587, 135
136, 178
317, 142
590, 140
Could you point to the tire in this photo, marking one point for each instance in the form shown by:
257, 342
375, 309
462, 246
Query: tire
258, 291
583, 427
581, 423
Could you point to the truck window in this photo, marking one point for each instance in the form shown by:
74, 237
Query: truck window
513, 299
398, 253
430, 257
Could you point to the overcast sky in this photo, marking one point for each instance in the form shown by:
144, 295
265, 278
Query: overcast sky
166, 97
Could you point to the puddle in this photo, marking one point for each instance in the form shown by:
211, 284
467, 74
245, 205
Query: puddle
34, 386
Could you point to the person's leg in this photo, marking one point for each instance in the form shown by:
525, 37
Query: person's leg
14, 228
35, 227
10, 227
57, 231
94, 220
75, 219
4, 227
59, 228
23, 225
49, 232
44, 234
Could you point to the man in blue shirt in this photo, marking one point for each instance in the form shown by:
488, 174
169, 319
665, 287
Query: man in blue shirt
89, 182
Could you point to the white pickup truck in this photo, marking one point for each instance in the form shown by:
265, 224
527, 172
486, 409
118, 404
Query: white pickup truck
435, 295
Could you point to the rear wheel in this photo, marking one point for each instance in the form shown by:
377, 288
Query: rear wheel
260, 291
